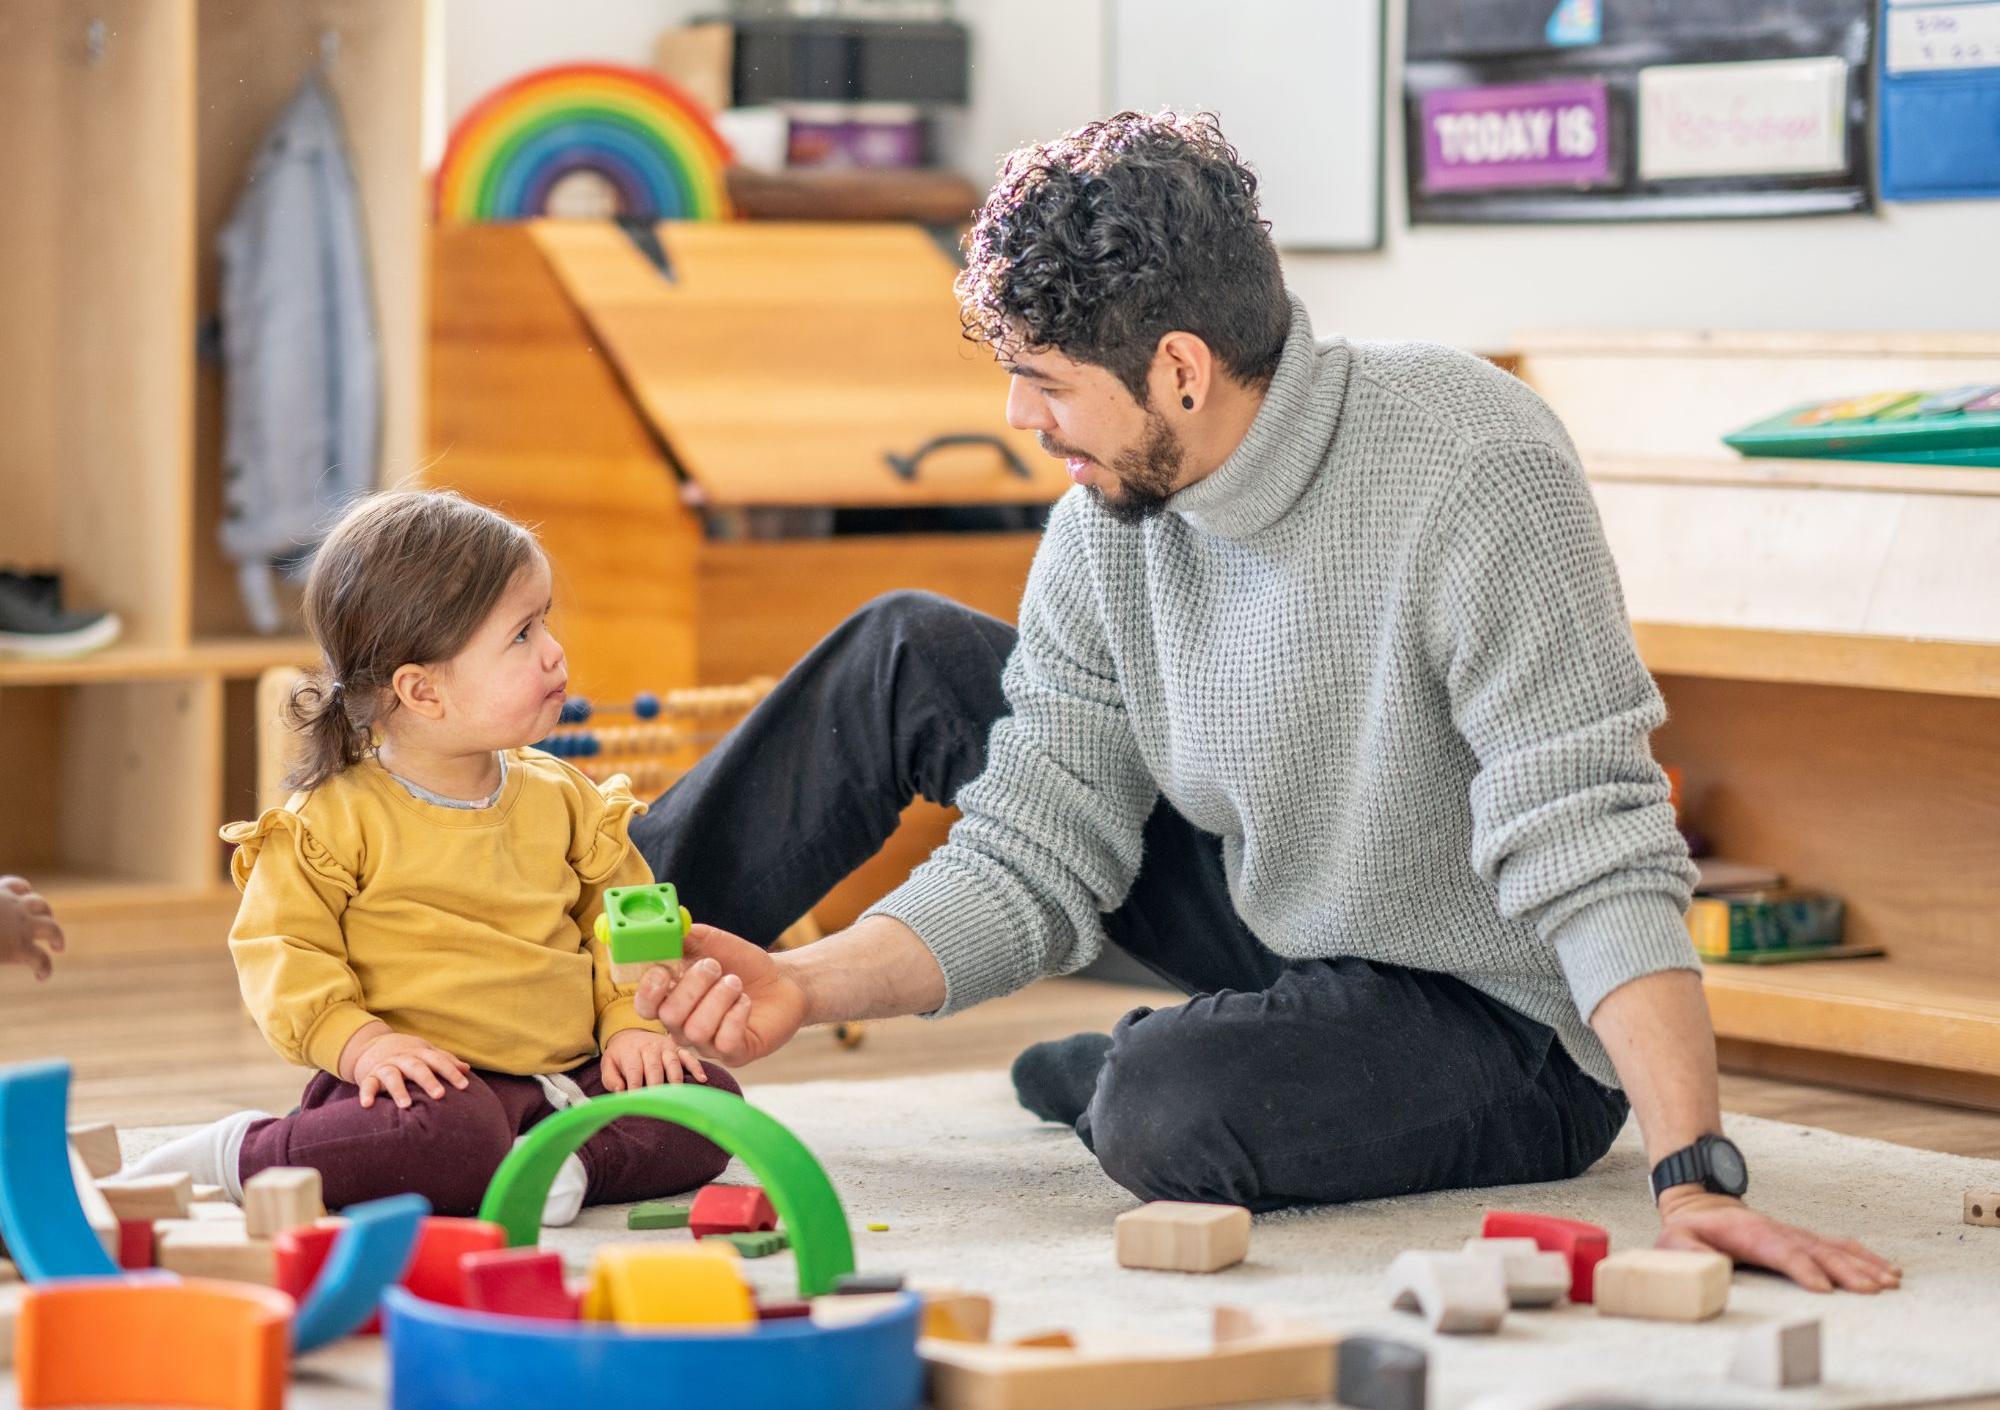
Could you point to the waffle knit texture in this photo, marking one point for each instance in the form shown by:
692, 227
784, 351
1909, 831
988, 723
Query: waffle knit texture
1382, 653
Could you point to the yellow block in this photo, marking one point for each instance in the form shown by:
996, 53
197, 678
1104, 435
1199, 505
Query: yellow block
691, 1285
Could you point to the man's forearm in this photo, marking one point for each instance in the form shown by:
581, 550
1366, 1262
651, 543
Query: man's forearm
1657, 1031
876, 968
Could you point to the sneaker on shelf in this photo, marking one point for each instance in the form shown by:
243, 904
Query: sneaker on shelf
33, 621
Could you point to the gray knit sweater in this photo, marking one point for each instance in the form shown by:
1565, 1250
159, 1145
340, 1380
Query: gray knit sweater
1382, 653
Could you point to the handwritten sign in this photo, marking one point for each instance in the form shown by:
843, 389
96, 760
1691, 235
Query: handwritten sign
1521, 134
1944, 37
1776, 118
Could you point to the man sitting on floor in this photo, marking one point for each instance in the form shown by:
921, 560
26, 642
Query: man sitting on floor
1324, 706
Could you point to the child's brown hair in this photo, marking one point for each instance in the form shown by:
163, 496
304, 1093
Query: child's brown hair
405, 576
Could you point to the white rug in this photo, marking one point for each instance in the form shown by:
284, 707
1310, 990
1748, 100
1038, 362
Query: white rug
978, 1194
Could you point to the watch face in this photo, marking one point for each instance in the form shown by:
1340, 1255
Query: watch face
1726, 1163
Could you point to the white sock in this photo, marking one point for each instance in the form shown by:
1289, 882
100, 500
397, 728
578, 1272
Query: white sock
566, 1193
209, 1154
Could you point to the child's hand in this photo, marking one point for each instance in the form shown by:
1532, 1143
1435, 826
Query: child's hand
26, 925
384, 1064
636, 1057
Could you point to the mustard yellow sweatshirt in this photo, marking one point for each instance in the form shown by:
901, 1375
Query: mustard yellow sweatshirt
470, 928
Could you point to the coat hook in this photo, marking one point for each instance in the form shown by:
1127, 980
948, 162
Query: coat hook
95, 39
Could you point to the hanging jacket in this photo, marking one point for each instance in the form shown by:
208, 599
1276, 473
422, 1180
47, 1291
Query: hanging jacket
302, 393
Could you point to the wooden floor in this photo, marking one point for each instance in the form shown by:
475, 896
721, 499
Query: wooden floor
149, 1019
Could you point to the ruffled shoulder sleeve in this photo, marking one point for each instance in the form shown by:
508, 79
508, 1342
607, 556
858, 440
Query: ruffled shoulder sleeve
603, 835
285, 829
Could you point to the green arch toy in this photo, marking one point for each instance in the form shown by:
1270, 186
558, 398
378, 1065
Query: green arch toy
790, 1174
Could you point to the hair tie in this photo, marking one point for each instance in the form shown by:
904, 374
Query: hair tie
336, 690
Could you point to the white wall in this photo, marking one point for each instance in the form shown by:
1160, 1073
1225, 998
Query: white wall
1039, 68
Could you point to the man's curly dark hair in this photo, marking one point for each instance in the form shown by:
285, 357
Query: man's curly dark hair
1102, 241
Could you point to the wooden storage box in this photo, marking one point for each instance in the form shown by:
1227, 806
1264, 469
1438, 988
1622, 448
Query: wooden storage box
632, 412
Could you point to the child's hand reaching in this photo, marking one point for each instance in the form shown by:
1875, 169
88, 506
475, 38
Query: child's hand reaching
637, 1057
26, 925
387, 1061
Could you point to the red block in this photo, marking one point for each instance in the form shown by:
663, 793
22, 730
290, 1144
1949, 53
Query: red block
1585, 1245
730, 1209
783, 1311
434, 1273
135, 1244
302, 1252
520, 1282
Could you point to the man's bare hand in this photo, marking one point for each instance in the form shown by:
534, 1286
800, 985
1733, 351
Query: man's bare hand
1700, 1220
726, 998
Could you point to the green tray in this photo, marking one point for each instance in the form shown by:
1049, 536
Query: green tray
1960, 438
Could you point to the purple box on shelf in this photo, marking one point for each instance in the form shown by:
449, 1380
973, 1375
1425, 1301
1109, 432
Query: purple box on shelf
1518, 134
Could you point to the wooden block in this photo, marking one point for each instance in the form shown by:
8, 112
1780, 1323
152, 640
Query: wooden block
8, 1272
97, 1143
839, 1311
1183, 1238
1534, 1278
149, 1196
520, 1282
1585, 1245
135, 1244
759, 1245
1983, 1207
210, 1194
283, 1197
222, 1213
957, 1316
1249, 1360
96, 1209
660, 1214
11, 1296
1664, 1284
730, 1209
1375, 1373
1056, 1338
1454, 1292
678, 1285
1778, 1355
209, 1249
789, 1311
866, 1284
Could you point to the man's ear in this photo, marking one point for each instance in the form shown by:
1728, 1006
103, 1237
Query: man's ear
1183, 373
416, 691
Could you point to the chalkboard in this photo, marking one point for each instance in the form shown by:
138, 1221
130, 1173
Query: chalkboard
1298, 87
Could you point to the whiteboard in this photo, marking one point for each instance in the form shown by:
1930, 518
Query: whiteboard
1298, 87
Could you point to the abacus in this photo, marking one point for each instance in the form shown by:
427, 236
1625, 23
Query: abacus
651, 739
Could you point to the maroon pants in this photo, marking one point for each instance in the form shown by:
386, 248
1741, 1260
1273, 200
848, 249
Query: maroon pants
447, 1149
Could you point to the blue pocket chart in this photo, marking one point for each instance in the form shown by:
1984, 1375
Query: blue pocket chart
1940, 99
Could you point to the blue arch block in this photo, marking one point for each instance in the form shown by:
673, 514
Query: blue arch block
40, 1215
372, 1253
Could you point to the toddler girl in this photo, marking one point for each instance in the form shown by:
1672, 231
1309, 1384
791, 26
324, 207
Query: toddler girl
417, 920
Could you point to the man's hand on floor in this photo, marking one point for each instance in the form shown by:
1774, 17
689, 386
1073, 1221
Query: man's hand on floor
1696, 1219
727, 999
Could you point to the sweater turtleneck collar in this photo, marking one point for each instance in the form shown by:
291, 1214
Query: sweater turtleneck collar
1286, 444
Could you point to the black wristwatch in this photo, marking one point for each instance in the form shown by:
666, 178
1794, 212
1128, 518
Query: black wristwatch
1713, 1162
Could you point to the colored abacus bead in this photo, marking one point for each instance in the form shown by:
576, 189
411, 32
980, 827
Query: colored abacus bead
646, 705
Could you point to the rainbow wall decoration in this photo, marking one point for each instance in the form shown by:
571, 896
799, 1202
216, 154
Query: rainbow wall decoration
632, 129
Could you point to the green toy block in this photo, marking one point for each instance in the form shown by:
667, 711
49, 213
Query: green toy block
760, 1245
643, 926
657, 1215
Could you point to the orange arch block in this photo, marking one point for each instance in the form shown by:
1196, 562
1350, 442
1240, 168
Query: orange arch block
112, 1342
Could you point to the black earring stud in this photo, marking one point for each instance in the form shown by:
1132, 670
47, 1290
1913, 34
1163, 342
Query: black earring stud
1188, 402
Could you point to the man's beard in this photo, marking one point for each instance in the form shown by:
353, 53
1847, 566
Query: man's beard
1146, 474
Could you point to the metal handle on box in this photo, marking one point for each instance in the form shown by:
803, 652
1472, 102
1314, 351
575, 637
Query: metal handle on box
905, 466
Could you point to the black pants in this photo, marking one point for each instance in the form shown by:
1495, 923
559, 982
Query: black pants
1281, 1082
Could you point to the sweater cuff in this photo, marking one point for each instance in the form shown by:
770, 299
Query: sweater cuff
980, 948
620, 1014
1618, 939
327, 1039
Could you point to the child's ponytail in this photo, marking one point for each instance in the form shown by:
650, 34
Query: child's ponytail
406, 577
331, 739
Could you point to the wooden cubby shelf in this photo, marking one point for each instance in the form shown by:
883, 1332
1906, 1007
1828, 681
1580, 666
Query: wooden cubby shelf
135, 123
1827, 637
